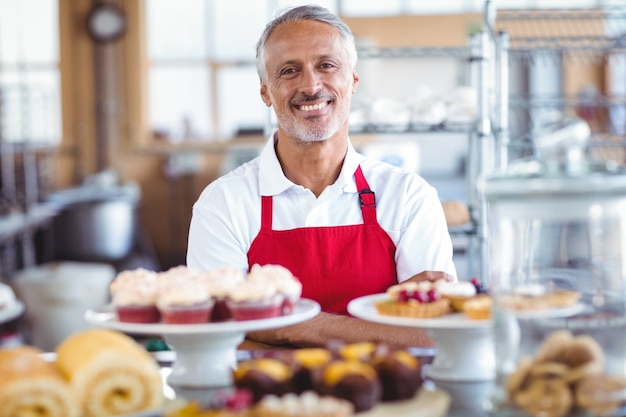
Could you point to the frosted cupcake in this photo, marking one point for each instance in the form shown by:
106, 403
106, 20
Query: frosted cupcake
253, 299
218, 283
286, 284
133, 294
185, 302
457, 293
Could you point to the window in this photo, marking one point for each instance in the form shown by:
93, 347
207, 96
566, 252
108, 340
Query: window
202, 76
30, 93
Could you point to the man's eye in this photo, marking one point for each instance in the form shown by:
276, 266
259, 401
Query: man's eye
288, 71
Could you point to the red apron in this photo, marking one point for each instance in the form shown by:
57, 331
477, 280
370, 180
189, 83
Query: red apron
334, 263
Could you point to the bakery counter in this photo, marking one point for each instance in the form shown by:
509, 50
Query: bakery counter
435, 398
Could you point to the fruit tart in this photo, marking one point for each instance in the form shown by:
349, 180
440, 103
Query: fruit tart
415, 300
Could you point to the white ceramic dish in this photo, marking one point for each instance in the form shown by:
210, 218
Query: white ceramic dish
205, 353
365, 308
465, 348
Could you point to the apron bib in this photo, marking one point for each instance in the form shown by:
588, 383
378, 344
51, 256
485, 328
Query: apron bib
335, 263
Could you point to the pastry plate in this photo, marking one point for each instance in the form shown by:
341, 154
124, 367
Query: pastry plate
365, 308
549, 313
106, 317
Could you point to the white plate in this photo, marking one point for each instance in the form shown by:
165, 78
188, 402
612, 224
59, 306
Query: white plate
106, 317
365, 308
548, 313
11, 311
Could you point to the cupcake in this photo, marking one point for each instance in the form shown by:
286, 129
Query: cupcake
253, 300
354, 381
399, 372
219, 282
134, 294
457, 293
306, 362
263, 376
286, 284
184, 301
478, 308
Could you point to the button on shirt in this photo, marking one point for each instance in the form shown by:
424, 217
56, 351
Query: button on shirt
227, 215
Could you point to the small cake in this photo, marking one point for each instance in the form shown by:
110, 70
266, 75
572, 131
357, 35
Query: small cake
185, 302
361, 351
538, 297
307, 404
399, 372
354, 381
253, 300
219, 282
307, 362
286, 284
415, 300
134, 294
478, 308
457, 293
263, 376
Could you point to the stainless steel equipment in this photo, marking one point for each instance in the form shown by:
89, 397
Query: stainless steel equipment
95, 223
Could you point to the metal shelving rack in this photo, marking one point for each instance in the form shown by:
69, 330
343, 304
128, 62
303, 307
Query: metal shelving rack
479, 58
580, 37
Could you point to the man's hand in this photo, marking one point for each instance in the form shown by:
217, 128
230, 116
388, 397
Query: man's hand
431, 276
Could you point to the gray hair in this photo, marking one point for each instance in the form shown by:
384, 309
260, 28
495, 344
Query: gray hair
308, 12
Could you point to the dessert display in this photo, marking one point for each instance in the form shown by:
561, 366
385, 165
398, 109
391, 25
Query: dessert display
565, 376
109, 374
427, 299
181, 295
96, 373
32, 386
538, 297
7, 297
414, 299
364, 374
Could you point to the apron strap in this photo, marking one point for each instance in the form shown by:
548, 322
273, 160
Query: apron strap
367, 197
266, 212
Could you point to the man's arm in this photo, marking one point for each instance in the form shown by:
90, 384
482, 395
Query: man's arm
325, 326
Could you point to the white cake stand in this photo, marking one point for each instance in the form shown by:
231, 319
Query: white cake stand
465, 348
205, 353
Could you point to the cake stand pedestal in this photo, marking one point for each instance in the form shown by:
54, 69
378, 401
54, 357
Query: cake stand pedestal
465, 348
206, 354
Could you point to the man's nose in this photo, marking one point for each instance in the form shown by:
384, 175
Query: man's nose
311, 82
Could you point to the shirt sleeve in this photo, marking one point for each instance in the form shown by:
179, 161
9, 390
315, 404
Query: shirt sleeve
213, 241
424, 242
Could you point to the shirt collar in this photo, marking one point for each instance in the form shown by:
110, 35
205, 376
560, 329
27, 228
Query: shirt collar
272, 180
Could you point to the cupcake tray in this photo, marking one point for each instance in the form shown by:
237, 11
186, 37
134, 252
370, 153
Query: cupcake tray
464, 347
205, 354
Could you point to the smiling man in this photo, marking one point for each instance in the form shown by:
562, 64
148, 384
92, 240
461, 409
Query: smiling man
345, 225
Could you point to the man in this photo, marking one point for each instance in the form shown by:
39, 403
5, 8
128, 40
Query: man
344, 225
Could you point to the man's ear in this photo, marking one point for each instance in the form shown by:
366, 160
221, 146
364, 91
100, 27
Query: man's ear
355, 81
265, 95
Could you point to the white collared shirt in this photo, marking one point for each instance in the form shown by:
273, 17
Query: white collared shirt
227, 215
